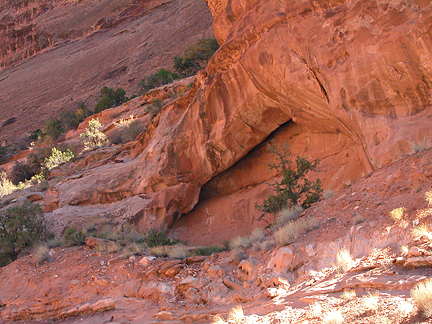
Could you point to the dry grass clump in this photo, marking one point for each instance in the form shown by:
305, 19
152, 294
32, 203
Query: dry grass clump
110, 247
358, 219
421, 231
159, 251
257, 235
286, 216
370, 302
287, 234
349, 294
237, 255
41, 254
428, 197
397, 214
235, 316
328, 194
404, 249
422, 296
178, 252
344, 260
315, 309
335, 317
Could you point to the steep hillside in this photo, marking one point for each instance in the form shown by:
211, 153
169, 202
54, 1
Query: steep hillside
57, 53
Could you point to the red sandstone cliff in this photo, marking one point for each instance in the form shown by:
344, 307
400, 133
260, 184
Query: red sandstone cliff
343, 81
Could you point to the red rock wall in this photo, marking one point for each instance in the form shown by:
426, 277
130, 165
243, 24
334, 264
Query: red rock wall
352, 78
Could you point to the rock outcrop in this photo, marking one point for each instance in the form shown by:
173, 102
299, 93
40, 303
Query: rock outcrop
346, 82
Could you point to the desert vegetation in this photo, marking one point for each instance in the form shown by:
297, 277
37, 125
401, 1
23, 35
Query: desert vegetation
21, 226
93, 137
195, 57
294, 189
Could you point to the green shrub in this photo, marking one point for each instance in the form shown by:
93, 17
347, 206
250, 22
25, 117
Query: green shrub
155, 107
23, 171
157, 79
73, 237
4, 154
20, 227
53, 128
195, 57
72, 119
158, 238
93, 136
294, 189
209, 250
57, 157
110, 98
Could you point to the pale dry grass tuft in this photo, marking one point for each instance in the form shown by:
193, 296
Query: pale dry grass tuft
125, 122
236, 315
218, 320
335, 317
344, 260
404, 249
349, 294
422, 296
41, 254
428, 197
158, 251
421, 231
315, 309
370, 302
420, 145
178, 252
397, 214
287, 234
286, 216
256, 236
328, 194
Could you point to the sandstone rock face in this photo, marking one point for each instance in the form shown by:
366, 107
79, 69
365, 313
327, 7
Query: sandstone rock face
345, 81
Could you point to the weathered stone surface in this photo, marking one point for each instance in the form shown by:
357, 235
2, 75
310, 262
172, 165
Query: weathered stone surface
282, 261
417, 262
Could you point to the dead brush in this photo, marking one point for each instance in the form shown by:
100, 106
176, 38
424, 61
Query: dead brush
344, 260
422, 296
421, 231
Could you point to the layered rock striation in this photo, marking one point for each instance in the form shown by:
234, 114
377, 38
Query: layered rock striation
344, 81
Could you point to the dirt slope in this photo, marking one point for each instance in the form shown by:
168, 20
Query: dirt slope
272, 285
91, 44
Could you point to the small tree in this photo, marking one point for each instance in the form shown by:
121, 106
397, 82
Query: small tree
110, 98
93, 136
20, 227
294, 189
58, 157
